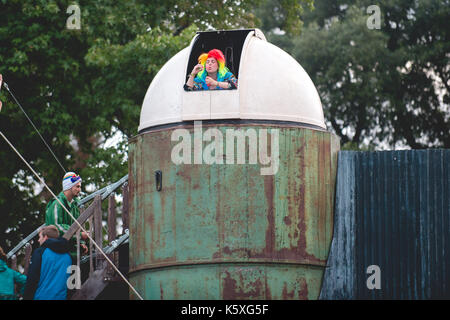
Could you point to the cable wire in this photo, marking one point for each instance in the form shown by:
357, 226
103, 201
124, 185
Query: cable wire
79, 225
26, 115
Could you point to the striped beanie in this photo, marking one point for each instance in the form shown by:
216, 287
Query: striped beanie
70, 180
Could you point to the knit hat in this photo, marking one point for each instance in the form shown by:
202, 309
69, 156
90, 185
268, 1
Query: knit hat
70, 180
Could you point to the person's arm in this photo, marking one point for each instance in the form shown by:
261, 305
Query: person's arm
229, 83
223, 85
190, 81
34, 274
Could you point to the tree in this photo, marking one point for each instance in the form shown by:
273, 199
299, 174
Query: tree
348, 63
382, 88
282, 15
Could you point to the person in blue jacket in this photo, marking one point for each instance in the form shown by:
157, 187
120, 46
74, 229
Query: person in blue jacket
9, 277
48, 271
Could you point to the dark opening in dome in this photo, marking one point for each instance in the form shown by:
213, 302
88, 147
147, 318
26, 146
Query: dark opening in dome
230, 42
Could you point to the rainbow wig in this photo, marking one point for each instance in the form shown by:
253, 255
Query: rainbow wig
202, 58
218, 55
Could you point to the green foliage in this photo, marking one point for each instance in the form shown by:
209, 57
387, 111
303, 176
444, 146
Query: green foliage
282, 15
348, 63
353, 146
380, 88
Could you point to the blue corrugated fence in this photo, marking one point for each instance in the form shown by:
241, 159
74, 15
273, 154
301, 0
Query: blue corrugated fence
392, 211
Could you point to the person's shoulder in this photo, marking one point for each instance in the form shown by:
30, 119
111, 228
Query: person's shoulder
38, 252
61, 197
53, 201
3, 266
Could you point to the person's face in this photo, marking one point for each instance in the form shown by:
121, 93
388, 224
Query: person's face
211, 65
42, 238
76, 189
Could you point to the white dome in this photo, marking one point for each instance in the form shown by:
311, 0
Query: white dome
271, 86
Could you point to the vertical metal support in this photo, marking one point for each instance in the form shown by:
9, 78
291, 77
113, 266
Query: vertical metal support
125, 216
111, 218
14, 262
14, 267
98, 233
78, 249
91, 246
28, 249
111, 228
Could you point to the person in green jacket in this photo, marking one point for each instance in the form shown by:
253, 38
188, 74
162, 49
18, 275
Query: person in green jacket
56, 215
9, 277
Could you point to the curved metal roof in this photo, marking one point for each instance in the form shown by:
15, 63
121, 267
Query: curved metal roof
271, 86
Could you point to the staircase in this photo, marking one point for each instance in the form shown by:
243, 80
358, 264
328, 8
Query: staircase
99, 280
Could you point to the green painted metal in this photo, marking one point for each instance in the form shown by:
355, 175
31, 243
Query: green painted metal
224, 231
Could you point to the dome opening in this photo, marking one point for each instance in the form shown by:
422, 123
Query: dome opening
230, 42
255, 63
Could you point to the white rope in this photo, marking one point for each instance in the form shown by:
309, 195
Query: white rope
26, 115
79, 225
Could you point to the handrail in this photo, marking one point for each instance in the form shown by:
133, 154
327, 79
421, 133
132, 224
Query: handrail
105, 192
23, 242
82, 219
109, 249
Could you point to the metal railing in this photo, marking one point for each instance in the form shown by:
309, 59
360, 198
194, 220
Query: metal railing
93, 211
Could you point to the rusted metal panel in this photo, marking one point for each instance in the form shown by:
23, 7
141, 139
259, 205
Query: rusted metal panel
231, 282
211, 217
400, 212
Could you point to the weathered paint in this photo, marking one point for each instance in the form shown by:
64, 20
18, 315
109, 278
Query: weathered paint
339, 278
393, 211
230, 281
224, 231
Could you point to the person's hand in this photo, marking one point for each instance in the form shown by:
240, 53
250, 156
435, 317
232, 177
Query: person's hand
84, 247
197, 69
84, 235
211, 82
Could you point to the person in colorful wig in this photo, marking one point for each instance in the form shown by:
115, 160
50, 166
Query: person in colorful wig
56, 215
211, 73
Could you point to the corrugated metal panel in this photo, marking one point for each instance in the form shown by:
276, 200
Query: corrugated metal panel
402, 209
339, 280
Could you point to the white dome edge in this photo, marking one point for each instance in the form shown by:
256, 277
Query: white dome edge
293, 98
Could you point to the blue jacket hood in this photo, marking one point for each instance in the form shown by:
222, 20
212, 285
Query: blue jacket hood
58, 245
